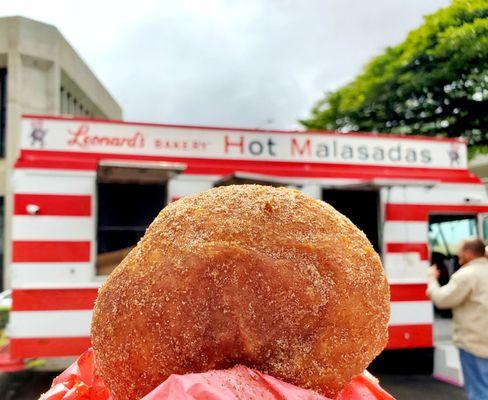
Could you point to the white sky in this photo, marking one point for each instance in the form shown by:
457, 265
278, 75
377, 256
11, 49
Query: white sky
252, 63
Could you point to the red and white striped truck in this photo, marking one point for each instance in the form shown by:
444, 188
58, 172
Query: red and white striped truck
85, 190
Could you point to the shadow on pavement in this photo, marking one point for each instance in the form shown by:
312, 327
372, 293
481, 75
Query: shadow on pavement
25, 385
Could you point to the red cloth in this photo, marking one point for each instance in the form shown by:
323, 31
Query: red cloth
80, 382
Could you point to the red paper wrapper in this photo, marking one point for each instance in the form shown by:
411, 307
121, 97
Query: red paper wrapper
80, 382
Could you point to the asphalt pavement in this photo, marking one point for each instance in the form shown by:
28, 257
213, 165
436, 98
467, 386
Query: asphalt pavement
30, 385
424, 387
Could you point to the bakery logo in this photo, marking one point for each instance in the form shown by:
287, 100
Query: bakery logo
38, 134
83, 138
453, 154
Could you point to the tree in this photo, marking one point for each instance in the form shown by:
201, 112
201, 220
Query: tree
434, 83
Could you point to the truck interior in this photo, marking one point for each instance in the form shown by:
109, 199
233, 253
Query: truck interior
361, 206
129, 197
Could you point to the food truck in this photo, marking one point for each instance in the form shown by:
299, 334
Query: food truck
85, 190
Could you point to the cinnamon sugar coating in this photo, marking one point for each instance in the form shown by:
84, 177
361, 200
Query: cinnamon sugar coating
254, 275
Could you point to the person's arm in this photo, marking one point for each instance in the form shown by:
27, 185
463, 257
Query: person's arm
450, 295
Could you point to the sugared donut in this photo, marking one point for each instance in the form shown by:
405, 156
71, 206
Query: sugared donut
254, 275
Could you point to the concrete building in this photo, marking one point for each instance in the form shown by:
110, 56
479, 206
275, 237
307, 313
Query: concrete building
479, 166
40, 73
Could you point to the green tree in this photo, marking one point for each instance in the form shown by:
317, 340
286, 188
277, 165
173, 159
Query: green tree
434, 83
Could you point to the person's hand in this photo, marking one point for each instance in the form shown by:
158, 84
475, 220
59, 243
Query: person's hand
433, 272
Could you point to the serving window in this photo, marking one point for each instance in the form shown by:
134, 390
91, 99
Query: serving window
129, 197
362, 207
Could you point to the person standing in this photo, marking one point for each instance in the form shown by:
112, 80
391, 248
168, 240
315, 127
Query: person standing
467, 295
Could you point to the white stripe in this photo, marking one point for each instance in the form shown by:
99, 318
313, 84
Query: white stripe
23, 274
41, 227
54, 182
39, 324
180, 188
32, 324
446, 193
405, 232
405, 268
95, 284
411, 313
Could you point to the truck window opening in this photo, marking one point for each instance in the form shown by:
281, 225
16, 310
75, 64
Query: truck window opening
361, 207
445, 233
124, 212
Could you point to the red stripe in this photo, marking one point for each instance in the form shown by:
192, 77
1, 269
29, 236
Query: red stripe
421, 248
400, 337
53, 299
420, 212
48, 347
72, 205
89, 161
409, 337
44, 251
221, 128
408, 292
84, 298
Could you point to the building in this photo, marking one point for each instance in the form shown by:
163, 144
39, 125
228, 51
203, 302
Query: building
479, 166
41, 73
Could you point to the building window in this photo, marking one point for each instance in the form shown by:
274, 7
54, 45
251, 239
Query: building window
3, 109
68, 101
71, 105
62, 101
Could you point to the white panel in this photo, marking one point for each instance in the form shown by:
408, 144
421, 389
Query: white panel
445, 193
405, 232
23, 274
96, 283
314, 191
54, 182
29, 324
41, 227
185, 187
405, 268
411, 313
39, 324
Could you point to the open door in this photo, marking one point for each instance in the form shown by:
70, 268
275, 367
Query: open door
129, 196
445, 233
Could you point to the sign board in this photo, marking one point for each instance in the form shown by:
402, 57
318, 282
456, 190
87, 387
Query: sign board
67, 135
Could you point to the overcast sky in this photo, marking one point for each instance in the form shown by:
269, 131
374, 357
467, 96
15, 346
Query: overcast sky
250, 63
